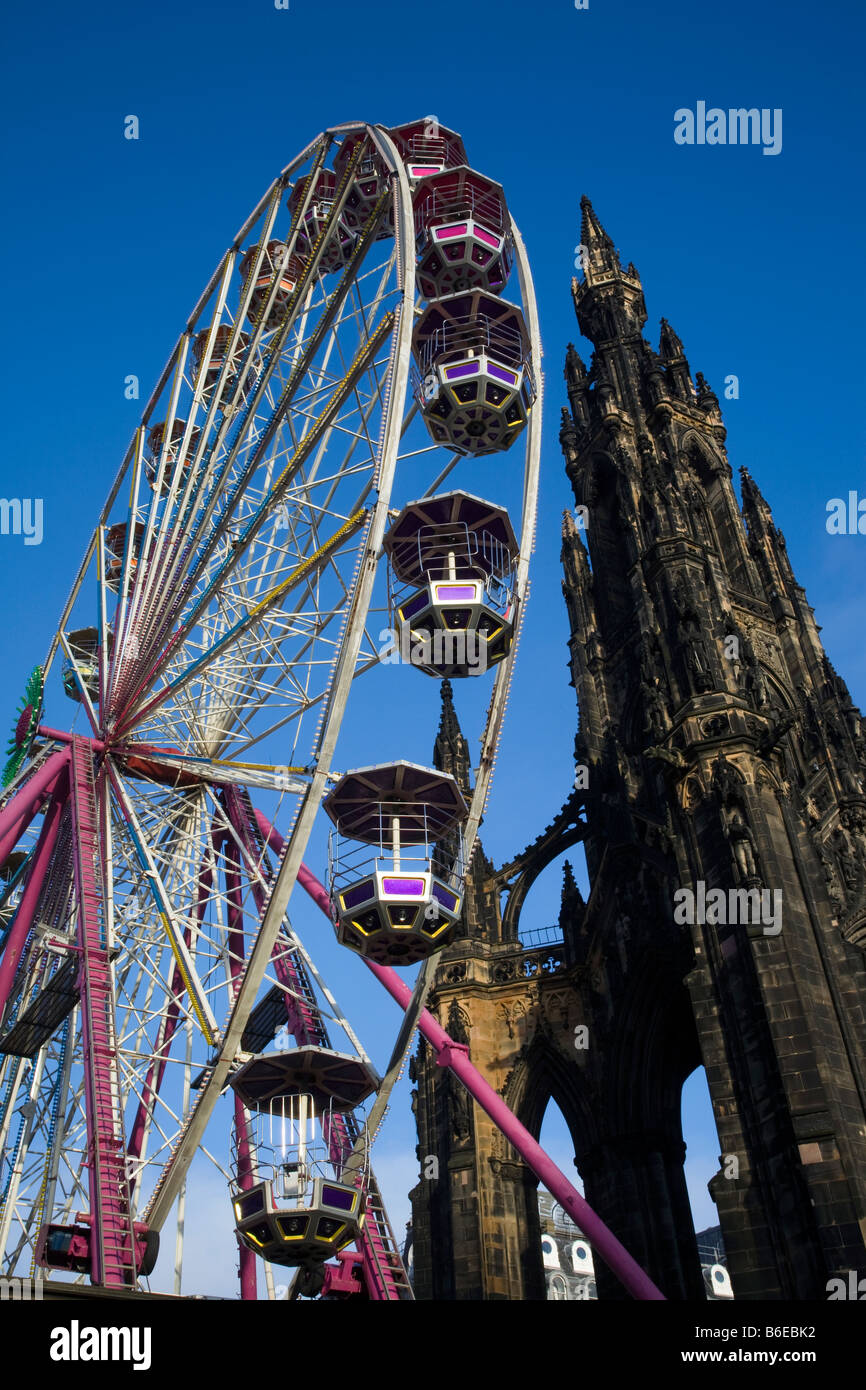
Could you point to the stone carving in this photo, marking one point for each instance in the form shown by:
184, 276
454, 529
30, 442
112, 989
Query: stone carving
689, 635
776, 730
847, 860
693, 794
764, 779
504, 1013
756, 684
655, 711
461, 1115
812, 733
742, 844
853, 818
831, 877
716, 726
812, 811
835, 733
458, 1023
727, 780
648, 659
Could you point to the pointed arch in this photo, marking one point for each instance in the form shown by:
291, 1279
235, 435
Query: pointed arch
608, 542
653, 1050
516, 878
722, 513
541, 1074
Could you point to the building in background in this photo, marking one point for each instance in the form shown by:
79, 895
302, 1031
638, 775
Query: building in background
565, 1254
569, 1272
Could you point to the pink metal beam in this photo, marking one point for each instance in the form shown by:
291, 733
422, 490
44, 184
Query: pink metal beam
62, 736
112, 1249
15, 817
246, 1178
456, 1057
30, 897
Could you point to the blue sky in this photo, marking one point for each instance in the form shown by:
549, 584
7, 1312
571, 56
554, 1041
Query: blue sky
755, 260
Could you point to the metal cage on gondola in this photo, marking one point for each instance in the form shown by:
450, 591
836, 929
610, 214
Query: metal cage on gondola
292, 1204
452, 564
473, 381
396, 861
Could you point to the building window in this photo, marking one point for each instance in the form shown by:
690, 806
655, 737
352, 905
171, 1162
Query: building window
558, 1287
549, 1252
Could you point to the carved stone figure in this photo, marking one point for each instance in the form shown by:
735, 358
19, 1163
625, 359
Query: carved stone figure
647, 660
726, 781
756, 683
694, 648
847, 860
655, 717
743, 844
458, 1100
834, 732
830, 875
812, 737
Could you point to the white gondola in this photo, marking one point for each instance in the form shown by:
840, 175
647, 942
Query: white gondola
452, 562
462, 232
396, 861
289, 1206
473, 381
84, 645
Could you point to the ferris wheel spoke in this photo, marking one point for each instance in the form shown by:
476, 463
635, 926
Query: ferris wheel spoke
254, 524
198, 483
165, 911
285, 397
251, 619
336, 572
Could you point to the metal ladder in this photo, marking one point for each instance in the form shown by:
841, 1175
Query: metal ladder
112, 1241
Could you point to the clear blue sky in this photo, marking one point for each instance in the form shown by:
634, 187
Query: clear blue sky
755, 260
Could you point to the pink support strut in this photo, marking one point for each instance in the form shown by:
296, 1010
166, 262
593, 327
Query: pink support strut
15, 817
456, 1056
246, 1171
112, 1245
23, 921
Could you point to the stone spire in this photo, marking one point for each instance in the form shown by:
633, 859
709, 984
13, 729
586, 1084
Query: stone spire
609, 301
451, 751
693, 647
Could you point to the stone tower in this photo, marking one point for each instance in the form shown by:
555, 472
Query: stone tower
717, 749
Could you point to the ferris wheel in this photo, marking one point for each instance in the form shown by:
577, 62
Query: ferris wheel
365, 355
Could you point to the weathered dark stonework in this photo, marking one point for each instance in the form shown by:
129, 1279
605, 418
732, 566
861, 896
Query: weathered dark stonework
721, 746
